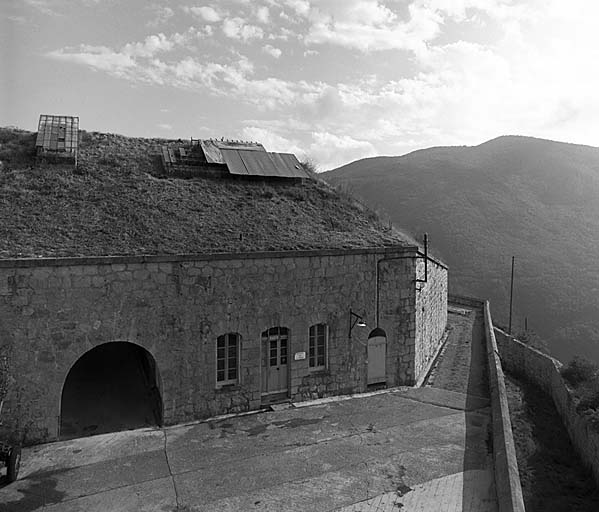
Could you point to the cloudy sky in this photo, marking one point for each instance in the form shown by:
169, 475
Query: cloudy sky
335, 80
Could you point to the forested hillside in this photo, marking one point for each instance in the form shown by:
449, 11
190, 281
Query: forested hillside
535, 199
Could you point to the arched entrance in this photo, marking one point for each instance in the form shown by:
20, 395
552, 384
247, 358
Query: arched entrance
115, 386
377, 357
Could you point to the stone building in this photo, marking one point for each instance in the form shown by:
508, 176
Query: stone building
101, 342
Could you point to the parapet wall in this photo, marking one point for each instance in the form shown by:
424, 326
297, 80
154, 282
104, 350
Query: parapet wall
507, 478
543, 370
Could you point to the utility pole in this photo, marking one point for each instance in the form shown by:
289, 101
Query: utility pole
511, 296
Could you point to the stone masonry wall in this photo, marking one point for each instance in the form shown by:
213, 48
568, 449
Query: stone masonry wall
543, 371
52, 312
396, 316
421, 333
431, 313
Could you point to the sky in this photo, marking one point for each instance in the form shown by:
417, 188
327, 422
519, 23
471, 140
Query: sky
328, 80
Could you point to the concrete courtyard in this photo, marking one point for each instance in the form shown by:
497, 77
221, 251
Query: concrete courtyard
408, 448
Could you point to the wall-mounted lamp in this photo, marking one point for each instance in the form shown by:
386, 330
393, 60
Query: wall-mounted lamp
355, 319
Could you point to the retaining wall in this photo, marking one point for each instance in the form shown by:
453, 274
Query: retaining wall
543, 370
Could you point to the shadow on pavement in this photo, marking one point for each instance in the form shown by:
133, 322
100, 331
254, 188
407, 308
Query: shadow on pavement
36, 492
478, 450
462, 368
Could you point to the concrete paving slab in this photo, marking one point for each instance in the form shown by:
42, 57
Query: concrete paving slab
67, 484
202, 447
22, 496
151, 496
446, 398
469, 491
89, 450
327, 491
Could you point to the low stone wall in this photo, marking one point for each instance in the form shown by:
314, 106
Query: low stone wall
543, 370
507, 477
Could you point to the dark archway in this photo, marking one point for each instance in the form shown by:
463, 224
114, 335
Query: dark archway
114, 386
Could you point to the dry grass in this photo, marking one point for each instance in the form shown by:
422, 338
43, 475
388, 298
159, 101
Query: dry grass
116, 202
551, 473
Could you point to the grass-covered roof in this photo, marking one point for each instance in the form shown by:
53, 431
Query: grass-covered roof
116, 202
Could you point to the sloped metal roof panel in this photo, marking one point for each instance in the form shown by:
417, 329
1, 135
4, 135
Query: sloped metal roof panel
288, 165
213, 148
260, 163
212, 152
234, 162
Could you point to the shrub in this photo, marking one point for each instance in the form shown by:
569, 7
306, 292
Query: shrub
579, 370
532, 339
309, 165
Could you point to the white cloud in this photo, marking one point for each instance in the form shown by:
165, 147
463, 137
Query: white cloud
43, 6
205, 12
329, 149
238, 28
151, 45
141, 62
97, 57
161, 15
272, 141
272, 51
368, 25
263, 14
326, 149
300, 7
165, 126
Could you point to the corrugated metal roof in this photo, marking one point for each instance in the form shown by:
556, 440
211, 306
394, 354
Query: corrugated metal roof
255, 163
58, 133
234, 162
212, 148
289, 165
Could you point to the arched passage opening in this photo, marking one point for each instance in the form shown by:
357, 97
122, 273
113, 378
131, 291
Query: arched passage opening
114, 386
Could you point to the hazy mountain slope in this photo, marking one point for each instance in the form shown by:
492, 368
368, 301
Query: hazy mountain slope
532, 198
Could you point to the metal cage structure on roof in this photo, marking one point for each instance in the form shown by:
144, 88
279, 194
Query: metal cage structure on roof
58, 137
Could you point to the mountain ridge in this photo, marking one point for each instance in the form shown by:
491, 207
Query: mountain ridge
532, 198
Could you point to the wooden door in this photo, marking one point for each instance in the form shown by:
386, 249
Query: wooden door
275, 361
377, 355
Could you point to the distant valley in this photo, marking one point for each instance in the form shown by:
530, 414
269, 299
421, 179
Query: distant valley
535, 199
